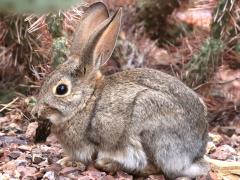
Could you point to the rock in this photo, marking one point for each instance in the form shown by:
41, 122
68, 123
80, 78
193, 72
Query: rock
54, 167
26, 171
9, 166
223, 152
24, 148
14, 154
68, 170
216, 138
229, 131
37, 158
156, 177
210, 147
66, 178
220, 155
5, 176
12, 140
50, 175
20, 162
4, 120
108, 177
43, 163
227, 148
17, 175
123, 176
31, 130
94, 174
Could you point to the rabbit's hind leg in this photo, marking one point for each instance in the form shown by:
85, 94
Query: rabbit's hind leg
108, 165
130, 159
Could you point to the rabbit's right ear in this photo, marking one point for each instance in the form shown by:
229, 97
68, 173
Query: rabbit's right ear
94, 15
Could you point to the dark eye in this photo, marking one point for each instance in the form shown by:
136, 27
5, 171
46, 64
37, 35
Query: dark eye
61, 89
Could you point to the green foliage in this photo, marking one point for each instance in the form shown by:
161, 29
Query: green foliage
203, 63
221, 17
31, 101
36, 6
237, 48
55, 24
60, 51
155, 17
6, 96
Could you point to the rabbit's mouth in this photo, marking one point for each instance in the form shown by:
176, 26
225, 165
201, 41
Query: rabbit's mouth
44, 113
55, 118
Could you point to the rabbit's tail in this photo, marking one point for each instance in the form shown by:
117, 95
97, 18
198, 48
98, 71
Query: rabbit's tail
197, 168
181, 166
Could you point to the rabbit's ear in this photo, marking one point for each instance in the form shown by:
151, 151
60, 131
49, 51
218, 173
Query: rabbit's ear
93, 16
102, 42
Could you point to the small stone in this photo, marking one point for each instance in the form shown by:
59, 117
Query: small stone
43, 163
216, 138
156, 177
68, 170
227, 148
14, 154
108, 177
123, 175
26, 171
83, 178
37, 158
9, 166
20, 162
223, 152
94, 174
50, 175
24, 148
55, 167
11, 133
17, 175
210, 147
5, 176
31, 130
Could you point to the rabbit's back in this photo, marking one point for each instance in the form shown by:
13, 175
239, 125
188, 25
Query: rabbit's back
157, 113
137, 100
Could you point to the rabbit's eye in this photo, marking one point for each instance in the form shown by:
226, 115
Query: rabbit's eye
61, 89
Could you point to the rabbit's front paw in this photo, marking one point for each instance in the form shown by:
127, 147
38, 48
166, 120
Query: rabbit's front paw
66, 161
107, 165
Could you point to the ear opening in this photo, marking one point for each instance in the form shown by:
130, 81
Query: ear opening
93, 16
102, 42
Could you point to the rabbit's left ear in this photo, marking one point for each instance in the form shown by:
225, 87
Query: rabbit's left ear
102, 42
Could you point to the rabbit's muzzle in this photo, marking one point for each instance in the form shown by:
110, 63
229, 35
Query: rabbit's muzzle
43, 112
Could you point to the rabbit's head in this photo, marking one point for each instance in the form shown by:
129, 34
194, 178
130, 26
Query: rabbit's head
67, 89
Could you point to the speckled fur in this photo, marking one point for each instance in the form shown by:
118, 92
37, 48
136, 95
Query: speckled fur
132, 120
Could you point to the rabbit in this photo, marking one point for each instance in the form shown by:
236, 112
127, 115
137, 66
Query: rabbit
142, 121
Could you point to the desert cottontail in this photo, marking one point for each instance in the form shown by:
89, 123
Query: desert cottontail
140, 120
